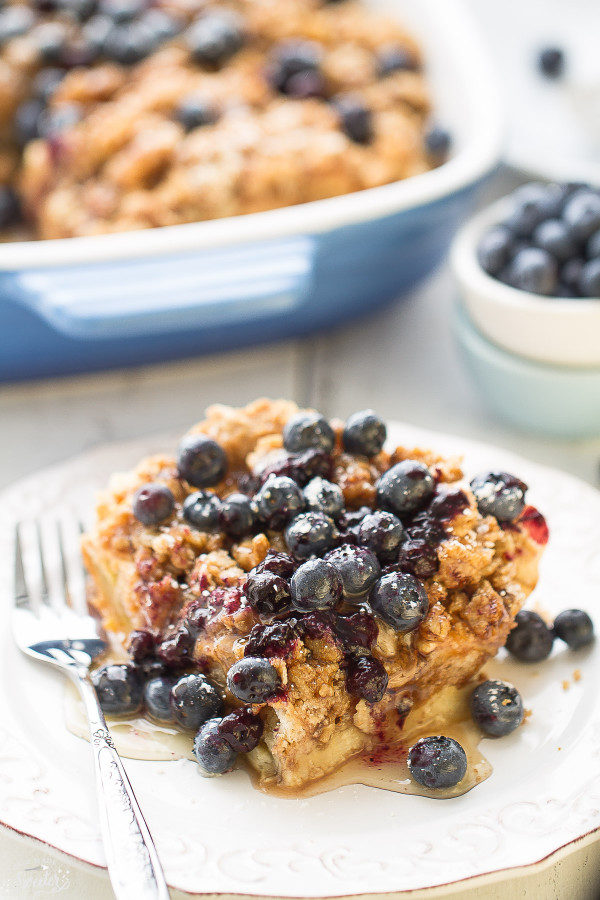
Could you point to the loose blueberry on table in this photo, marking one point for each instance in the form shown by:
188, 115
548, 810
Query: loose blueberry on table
351, 571
549, 241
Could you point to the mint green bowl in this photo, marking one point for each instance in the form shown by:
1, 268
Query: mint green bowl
558, 401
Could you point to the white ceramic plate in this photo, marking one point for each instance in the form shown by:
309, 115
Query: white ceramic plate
221, 836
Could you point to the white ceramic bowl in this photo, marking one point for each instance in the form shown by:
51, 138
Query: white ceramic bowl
554, 330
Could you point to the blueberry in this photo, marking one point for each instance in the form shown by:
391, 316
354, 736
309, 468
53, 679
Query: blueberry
494, 249
141, 646
496, 707
589, 281
357, 567
592, 248
215, 37
366, 678
50, 40
438, 142
46, 82
194, 700
381, 532
308, 430
242, 730
177, 647
58, 119
364, 433
499, 494
267, 593
574, 627
279, 500
153, 503
531, 204
357, 632
292, 61
15, 21
213, 753
128, 43
530, 640
533, 269
157, 697
551, 62
323, 496
119, 689
95, 33
276, 639
400, 600
122, 10
393, 58
194, 111
202, 510
306, 84
437, 762
582, 214
26, 121
10, 210
300, 467
316, 584
78, 9
278, 563
201, 461
355, 117
310, 534
253, 680
237, 515
570, 273
553, 236
405, 487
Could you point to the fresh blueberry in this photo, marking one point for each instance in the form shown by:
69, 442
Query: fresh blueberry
278, 501
308, 430
592, 248
194, 700
119, 689
553, 236
153, 503
58, 119
80, 10
405, 487
95, 33
582, 214
574, 627
215, 37
242, 730
393, 58
267, 593
213, 753
496, 707
533, 269
400, 600
381, 532
278, 563
292, 61
364, 433
310, 534
202, 510
237, 515
15, 21
157, 697
589, 281
494, 249
122, 10
355, 117
531, 204
130, 42
10, 210
253, 680
499, 494
551, 62
366, 678
194, 111
530, 640
177, 647
323, 496
357, 567
50, 40
161, 24
316, 584
570, 273
437, 762
438, 142
26, 121
141, 646
46, 82
305, 85
201, 461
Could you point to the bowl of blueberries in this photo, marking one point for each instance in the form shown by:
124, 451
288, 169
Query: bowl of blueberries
528, 272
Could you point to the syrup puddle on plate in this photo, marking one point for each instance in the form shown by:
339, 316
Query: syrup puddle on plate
447, 713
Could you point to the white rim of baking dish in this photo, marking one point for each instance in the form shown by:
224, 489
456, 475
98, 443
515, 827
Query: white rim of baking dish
470, 163
463, 257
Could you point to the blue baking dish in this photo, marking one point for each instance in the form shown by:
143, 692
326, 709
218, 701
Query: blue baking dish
85, 304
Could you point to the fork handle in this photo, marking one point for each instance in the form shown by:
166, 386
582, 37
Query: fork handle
133, 865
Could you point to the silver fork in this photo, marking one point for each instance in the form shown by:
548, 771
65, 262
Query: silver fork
48, 628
